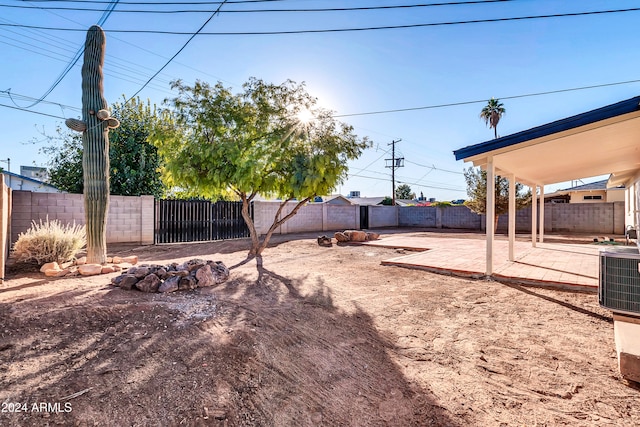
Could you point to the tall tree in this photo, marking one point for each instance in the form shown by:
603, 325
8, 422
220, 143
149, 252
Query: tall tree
134, 163
268, 139
492, 113
403, 191
477, 192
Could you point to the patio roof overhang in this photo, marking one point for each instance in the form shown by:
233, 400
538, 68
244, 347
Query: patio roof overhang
598, 142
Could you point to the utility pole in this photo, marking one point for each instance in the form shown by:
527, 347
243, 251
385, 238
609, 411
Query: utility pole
8, 162
394, 164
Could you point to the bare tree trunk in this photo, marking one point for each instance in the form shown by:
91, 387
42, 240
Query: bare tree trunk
255, 241
277, 223
258, 247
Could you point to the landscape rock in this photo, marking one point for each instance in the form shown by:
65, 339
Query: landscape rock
204, 276
341, 237
128, 281
194, 264
139, 272
356, 235
187, 283
90, 269
192, 274
170, 285
106, 269
324, 241
50, 266
150, 284
219, 271
64, 272
81, 260
133, 259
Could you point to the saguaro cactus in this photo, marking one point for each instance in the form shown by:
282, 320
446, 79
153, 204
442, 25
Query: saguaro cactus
95, 125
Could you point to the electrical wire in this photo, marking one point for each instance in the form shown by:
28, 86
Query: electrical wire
73, 61
411, 183
455, 104
327, 9
339, 30
433, 167
179, 50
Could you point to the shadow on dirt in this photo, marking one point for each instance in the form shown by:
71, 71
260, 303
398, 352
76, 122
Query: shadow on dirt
262, 349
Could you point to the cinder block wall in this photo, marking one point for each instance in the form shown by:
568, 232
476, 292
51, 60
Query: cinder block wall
417, 216
383, 216
600, 218
310, 217
5, 225
130, 219
337, 217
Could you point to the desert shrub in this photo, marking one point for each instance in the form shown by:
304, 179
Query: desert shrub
49, 241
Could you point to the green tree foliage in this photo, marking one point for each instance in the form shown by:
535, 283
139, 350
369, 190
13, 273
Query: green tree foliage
477, 192
387, 201
134, 162
268, 139
403, 191
492, 113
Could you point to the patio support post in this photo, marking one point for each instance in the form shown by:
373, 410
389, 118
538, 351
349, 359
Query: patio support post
491, 213
541, 214
512, 216
534, 214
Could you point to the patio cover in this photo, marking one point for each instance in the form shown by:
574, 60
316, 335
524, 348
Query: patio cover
598, 142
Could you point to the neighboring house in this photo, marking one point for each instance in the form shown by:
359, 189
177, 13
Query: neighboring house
35, 172
25, 183
595, 192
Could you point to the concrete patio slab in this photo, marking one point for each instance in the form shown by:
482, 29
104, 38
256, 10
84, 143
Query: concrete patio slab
572, 266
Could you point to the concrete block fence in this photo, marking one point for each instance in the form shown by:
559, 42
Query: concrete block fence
129, 220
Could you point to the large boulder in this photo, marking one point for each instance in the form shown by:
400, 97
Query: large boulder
341, 237
205, 277
170, 285
150, 284
356, 235
219, 270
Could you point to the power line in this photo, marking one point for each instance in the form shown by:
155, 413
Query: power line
157, 3
339, 30
433, 167
455, 104
411, 183
31, 111
180, 50
301, 10
74, 60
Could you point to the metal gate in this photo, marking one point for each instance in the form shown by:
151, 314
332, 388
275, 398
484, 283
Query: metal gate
199, 221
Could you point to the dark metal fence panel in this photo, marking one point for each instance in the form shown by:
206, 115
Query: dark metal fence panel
197, 221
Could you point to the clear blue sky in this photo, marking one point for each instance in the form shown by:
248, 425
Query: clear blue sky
350, 72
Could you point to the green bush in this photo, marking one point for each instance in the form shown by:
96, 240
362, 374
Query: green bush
49, 241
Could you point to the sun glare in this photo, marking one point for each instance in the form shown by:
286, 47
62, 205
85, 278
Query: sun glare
304, 116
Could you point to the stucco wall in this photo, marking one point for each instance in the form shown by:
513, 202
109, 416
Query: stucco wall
130, 219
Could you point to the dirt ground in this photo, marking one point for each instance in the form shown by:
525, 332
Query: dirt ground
317, 336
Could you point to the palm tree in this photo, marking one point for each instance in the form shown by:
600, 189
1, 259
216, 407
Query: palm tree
492, 113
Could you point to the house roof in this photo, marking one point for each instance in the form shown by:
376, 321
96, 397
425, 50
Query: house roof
597, 142
29, 179
597, 185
